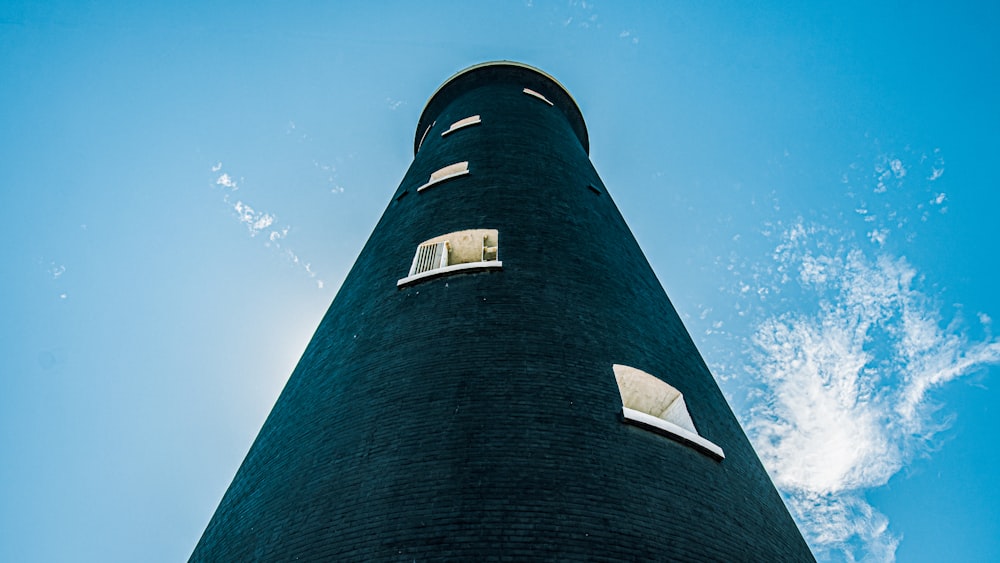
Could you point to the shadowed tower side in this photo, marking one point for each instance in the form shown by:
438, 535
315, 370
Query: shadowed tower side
501, 375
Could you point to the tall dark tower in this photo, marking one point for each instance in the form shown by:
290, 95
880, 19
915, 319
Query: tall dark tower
501, 375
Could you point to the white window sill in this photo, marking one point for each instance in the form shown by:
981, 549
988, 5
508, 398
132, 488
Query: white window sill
490, 265
461, 124
671, 430
442, 179
534, 94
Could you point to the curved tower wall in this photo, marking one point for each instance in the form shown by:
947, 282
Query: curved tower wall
475, 414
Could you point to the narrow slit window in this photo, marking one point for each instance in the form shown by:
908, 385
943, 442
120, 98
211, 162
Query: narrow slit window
448, 172
473, 249
651, 403
424, 136
471, 120
531, 92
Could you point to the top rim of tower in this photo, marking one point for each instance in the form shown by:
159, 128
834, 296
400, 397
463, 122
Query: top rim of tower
468, 77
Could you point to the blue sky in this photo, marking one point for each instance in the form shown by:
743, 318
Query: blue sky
185, 189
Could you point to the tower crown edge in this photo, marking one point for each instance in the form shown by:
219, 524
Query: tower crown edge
509, 71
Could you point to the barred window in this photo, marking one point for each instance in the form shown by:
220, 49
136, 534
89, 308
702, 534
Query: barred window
471, 249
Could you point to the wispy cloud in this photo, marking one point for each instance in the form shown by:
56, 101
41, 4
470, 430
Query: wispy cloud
330, 171
56, 270
258, 222
225, 180
581, 13
896, 191
629, 36
394, 104
844, 402
848, 347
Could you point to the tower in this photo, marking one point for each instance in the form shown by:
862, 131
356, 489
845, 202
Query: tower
501, 375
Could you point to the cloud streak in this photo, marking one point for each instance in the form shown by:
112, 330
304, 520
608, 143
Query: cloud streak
258, 222
848, 346
845, 388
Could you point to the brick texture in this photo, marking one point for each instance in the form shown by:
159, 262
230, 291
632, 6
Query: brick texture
475, 416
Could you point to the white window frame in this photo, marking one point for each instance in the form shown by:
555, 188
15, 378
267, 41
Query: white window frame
531, 92
674, 421
443, 267
446, 173
423, 263
466, 122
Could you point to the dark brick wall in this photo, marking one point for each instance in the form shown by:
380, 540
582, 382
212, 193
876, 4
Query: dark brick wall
475, 416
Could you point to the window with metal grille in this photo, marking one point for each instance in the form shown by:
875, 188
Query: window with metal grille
430, 257
471, 249
655, 404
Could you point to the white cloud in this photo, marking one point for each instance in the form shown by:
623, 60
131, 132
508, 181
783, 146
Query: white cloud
935, 174
394, 104
898, 170
276, 236
225, 180
846, 401
878, 236
258, 222
217, 167
255, 221
626, 34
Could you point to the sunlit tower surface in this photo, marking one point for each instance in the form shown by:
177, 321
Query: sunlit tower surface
501, 375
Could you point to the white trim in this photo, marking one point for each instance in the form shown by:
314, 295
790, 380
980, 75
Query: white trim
531, 92
460, 169
490, 265
440, 248
424, 136
442, 179
643, 419
466, 122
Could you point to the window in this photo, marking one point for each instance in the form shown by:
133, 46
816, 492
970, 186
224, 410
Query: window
654, 404
450, 171
424, 136
531, 92
471, 120
473, 249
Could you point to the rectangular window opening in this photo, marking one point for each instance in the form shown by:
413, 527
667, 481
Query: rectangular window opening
472, 249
